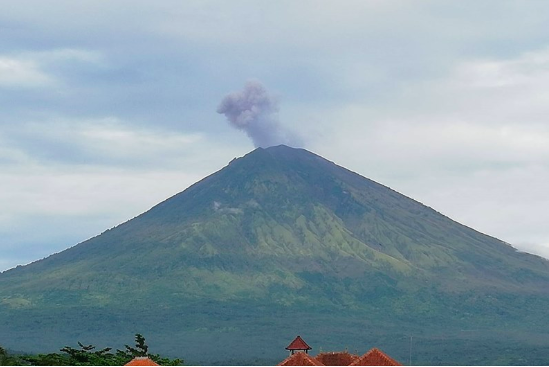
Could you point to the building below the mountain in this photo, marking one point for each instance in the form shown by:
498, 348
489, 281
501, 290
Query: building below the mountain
374, 357
297, 345
141, 361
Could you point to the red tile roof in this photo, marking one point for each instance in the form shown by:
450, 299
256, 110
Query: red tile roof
336, 358
375, 357
141, 361
300, 359
298, 344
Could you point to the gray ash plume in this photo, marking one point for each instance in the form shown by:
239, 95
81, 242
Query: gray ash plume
255, 111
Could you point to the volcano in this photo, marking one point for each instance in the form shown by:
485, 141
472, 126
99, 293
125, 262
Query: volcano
283, 242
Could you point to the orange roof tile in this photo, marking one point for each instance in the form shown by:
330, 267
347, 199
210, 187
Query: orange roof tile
375, 357
141, 361
298, 344
300, 359
336, 358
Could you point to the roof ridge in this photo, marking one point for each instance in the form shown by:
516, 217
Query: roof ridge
300, 359
341, 358
372, 358
142, 361
298, 344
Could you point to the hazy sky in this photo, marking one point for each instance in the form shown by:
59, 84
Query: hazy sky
109, 107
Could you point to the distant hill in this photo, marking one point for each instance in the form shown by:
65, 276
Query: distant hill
278, 243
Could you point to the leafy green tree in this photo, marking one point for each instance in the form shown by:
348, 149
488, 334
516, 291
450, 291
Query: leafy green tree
87, 355
51, 359
142, 350
7, 360
3, 356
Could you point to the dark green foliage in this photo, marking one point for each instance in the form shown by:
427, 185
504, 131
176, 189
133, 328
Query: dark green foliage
86, 355
50, 359
6, 359
282, 242
140, 350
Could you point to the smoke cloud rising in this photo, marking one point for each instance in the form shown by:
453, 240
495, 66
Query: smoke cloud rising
255, 111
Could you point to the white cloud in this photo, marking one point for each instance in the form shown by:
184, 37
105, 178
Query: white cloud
18, 73
104, 141
271, 24
112, 139
530, 69
491, 110
85, 191
34, 69
487, 91
540, 249
67, 54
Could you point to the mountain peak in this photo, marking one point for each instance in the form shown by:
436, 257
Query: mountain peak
281, 149
299, 206
282, 152
282, 227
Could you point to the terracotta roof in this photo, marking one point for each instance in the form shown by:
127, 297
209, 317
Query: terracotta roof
300, 359
336, 358
141, 361
298, 344
375, 357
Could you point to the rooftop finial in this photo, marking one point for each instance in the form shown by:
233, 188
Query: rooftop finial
298, 344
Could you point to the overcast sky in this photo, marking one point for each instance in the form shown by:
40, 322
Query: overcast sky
109, 107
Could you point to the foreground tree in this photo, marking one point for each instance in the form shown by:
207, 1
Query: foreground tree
142, 350
7, 360
87, 355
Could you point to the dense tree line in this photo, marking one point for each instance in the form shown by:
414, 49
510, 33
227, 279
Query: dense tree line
7, 360
88, 355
